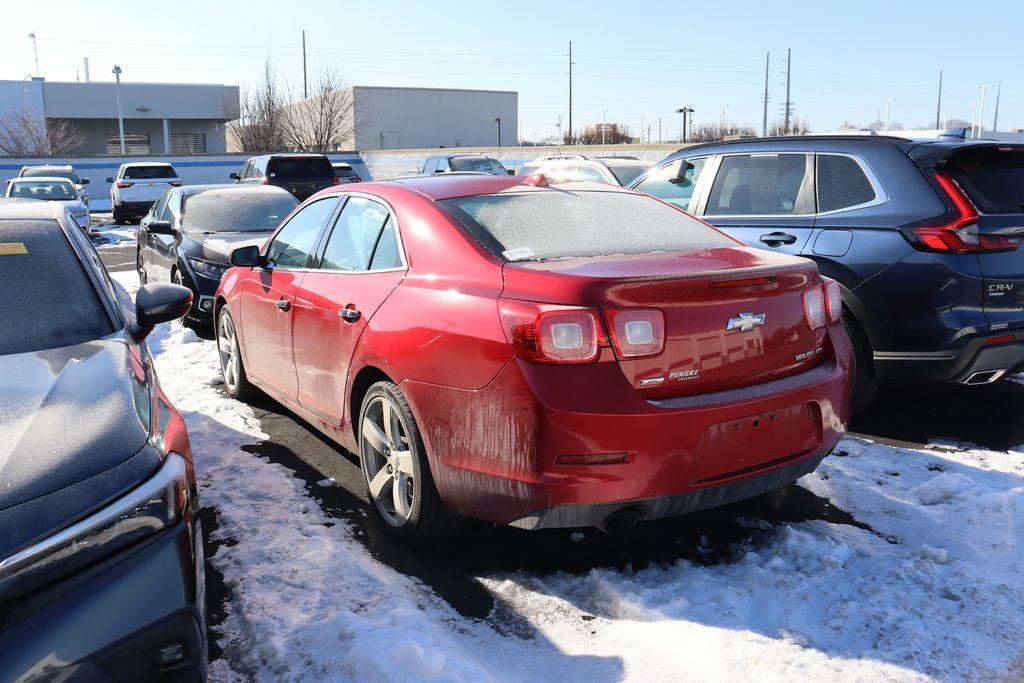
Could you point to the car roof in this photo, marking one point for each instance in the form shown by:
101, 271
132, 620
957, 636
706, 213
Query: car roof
146, 163
451, 185
290, 155
57, 166
189, 190
466, 156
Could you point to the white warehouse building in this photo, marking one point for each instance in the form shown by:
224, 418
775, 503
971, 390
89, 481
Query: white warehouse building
418, 118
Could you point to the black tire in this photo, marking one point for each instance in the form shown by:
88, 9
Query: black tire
865, 379
118, 216
236, 383
187, 320
426, 518
139, 268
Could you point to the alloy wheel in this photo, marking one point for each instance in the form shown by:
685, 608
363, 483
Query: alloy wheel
227, 348
387, 460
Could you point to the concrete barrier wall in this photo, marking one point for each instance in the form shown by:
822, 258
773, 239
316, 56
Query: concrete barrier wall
193, 170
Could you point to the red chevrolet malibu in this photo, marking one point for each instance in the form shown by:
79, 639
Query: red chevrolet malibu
541, 356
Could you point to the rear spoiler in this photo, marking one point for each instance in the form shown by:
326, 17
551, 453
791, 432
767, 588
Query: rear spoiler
936, 154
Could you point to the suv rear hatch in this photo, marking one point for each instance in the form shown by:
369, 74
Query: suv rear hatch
301, 175
147, 183
733, 316
991, 178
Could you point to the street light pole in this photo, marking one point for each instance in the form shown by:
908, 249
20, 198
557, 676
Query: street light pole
117, 99
497, 120
888, 104
684, 111
981, 108
35, 50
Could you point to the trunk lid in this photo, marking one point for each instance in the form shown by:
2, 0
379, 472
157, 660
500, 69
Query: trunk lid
699, 294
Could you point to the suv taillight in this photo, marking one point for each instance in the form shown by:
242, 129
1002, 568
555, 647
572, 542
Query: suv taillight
814, 307
121, 184
636, 332
960, 235
833, 300
546, 333
336, 181
265, 181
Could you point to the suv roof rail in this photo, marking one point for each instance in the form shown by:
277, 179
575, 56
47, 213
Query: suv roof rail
553, 157
781, 138
627, 157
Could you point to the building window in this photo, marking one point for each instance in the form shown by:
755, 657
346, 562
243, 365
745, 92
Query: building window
134, 143
188, 143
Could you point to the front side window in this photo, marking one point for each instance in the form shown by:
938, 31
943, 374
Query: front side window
293, 244
841, 183
557, 223
355, 235
758, 185
666, 184
158, 208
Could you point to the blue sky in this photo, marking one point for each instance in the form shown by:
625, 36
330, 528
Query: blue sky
633, 59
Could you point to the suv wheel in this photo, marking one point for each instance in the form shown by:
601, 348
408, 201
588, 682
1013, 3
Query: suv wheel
865, 380
118, 216
394, 463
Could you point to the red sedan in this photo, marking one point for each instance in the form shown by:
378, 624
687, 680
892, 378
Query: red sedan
563, 356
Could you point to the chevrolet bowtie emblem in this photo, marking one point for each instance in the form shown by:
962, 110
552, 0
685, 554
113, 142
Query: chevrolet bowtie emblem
745, 322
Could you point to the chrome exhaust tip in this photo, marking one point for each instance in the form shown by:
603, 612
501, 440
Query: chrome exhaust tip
984, 377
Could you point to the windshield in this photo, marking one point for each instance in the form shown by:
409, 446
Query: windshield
627, 174
233, 211
51, 173
305, 168
478, 164
43, 189
560, 224
149, 172
50, 300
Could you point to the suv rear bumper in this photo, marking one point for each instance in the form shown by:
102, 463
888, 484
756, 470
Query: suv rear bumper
956, 365
134, 208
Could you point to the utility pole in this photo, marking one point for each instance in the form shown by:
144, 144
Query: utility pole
860, 118
659, 130
995, 118
604, 123
789, 66
35, 49
305, 85
642, 130
570, 92
721, 118
117, 99
559, 127
974, 116
497, 120
981, 108
764, 119
938, 107
888, 104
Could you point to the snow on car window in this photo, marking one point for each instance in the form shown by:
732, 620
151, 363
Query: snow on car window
237, 211
561, 224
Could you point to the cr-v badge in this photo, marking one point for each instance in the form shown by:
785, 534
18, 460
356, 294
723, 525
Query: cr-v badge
745, 322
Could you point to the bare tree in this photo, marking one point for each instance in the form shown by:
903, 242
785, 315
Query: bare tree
257, 122
326, 121
796, 127
713, 132
23, 133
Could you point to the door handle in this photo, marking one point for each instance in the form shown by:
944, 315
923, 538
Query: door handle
349, 315
777, 239
283, 305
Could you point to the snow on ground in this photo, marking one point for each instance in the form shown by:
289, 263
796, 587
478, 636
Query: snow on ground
935, 593
109, 233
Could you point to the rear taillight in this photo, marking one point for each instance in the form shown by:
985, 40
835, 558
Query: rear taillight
814, 307
121, 184
833, 300
636, 332
336, 181
546, 333
960, 235
175, 183
265, 181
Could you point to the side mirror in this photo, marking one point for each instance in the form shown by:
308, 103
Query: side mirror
161, 228
233, 176
110, 180
159, 302
85, 181
511, 171
246, 257
680, 178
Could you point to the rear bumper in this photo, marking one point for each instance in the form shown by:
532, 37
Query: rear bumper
955, 365
137, 208
110, 621
494, 452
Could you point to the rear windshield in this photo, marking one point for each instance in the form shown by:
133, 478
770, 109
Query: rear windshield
992, 177
51, 173
480, 165
289, 168
49, 299
149, 172
549, 224
236, 211
43, 189
627, 174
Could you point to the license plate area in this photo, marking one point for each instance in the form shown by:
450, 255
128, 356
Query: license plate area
747, 444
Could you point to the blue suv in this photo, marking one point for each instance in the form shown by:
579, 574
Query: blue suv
922, 236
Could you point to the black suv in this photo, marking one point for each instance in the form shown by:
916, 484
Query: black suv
301, 174
922, 235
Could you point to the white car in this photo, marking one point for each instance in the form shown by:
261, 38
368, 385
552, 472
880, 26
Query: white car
613, 170
63, 171
137, 186
59, 190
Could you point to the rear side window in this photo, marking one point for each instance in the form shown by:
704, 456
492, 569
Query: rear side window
149, 172
665, 184
49, 299
758, 185
549, 224
355, 235
306, 168
992, 177
841, 183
